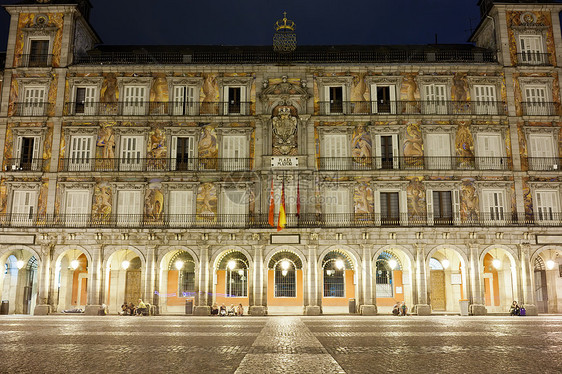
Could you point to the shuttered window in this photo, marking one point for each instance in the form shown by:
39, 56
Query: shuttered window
235, 206
131, 153
80, 155
234, 152
335, 151
541, 152
489, 151
34, 101
235, 100
337, 206
438, 151
181, 208
493, 205
27, 153
386, 152
443, 207
23, 206
547, 206
77, 206
184, 101
183, 153
536, 100
435, 99
85, 100
384, 98
334, 96
485, 99
134, 101
531, 49
129, 208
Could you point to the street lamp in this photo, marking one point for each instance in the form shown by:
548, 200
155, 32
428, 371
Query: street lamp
550, 264
392, 263
496, 263
445, 263
339, 264
20, 264
74, 263
125, 264
285, 264
178, 264
231, 264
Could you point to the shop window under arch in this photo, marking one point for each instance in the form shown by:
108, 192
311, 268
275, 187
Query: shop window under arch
236, 266
385, 265
435, 264
285, 264
334, 266
184, 264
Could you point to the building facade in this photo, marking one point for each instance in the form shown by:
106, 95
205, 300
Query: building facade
429, 175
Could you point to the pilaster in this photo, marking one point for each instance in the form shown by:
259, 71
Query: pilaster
43, 307
95, 278
477, 306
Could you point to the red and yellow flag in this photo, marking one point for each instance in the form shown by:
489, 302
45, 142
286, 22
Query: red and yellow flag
282, 220
271, 216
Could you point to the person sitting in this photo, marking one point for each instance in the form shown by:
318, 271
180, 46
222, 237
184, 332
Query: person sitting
514, 310
396, 309
222, 310
404, 309
141, 308
240, 310
131, 309
231, 310
124, 309
215, 310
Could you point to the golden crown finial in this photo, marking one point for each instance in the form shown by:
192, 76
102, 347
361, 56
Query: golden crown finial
284, 24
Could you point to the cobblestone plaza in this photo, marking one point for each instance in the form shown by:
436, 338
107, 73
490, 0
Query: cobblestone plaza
282, 344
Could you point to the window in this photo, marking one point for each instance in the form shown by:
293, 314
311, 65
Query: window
536, 101
390, 201
235, 206
285, 279
384, 278
493, 205
183, 153
384, 98
27, 154
39, 53
334, 280
489, 152
235, 100
131, 147
85, 101
186, 279
386, 151
443, 207
237, 282
531, 50
23, 207
77, 206
435, 99
181, 208
541, 152
234, 153
547, 206
389, 208
80, 154
129, 208
184, 101
337, 206
485, 99
438, 151
134, 101
334, 96
336, 152
34, 103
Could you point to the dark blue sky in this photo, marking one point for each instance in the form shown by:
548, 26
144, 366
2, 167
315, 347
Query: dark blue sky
250, 22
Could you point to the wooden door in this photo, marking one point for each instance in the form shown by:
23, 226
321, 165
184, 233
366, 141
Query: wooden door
133, 286
438, 290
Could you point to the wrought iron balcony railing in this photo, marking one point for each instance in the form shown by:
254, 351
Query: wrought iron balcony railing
384, 107
156, 108
31, 109
531, 108
545, 163
533, 58
413, 163
22, 164
260, 221
256, 56
35, 60
154, 164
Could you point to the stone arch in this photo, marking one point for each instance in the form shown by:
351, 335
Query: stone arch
349, 250
285, 248
456, 249
539, 250
109, 251
60, 251
510, 252
220, 251
402, 249
164, 251
7, 250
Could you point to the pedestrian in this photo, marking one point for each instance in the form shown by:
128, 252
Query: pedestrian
404, 309
141, 308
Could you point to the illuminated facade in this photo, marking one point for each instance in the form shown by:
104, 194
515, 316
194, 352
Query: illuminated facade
427, 174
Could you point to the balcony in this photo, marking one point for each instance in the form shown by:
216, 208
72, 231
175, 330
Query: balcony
413, 163
260, 221
153, 108
35, 61
385, 108
20, 164
545, 163
154, 165
533, 59
531, 108
31, 109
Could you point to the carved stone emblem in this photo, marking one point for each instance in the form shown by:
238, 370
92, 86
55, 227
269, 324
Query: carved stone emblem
284, 131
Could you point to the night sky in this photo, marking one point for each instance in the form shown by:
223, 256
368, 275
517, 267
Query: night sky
250, 22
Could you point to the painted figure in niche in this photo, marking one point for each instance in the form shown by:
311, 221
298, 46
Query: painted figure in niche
208, 147
106, 139
42, 203
469, 201
207, 199
416, 198
464, 146
109, 94
159, 90
363, 198
153, 205
459, 93
410, 93
358, 91
157, 150
413, 145
361, 146
284, 125
527, 199
3, 198
210, 94
102, 201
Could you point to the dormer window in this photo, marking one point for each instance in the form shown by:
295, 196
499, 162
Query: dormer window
531, 50
38, 53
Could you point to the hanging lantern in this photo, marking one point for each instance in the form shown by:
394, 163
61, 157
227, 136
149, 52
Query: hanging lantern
285, 38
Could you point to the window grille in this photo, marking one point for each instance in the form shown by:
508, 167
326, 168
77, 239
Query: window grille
434, 264
186, 273
334, 282
237, 282
285, 280
384, 279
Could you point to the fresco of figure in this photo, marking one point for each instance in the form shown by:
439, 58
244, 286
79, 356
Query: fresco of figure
416, 198
363, 198
106, 140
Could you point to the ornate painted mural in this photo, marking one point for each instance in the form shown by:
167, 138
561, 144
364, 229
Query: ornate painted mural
153, 202
413, 144
285, 131
469, 200
464, 145
105, 144
207, 201
29, 21
530, 19
102, 199
363, 197
361, 145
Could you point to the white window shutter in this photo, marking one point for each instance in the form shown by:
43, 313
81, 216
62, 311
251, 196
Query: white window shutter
243, 101
429, 202
395, 152
226, 99
327, 100
377, 203
179, 100
403, 208
173, 153
393, 102
456, 207
378, 152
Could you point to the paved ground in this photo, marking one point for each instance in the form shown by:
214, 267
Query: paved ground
327, 344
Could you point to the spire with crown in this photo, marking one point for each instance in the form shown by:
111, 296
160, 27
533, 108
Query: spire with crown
284, 39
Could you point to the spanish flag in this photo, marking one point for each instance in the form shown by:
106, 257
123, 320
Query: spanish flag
282, 220
271, 217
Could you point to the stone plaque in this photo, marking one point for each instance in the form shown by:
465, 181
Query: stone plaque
456, 279
285, 239
549, 239
17, 239
284, 162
